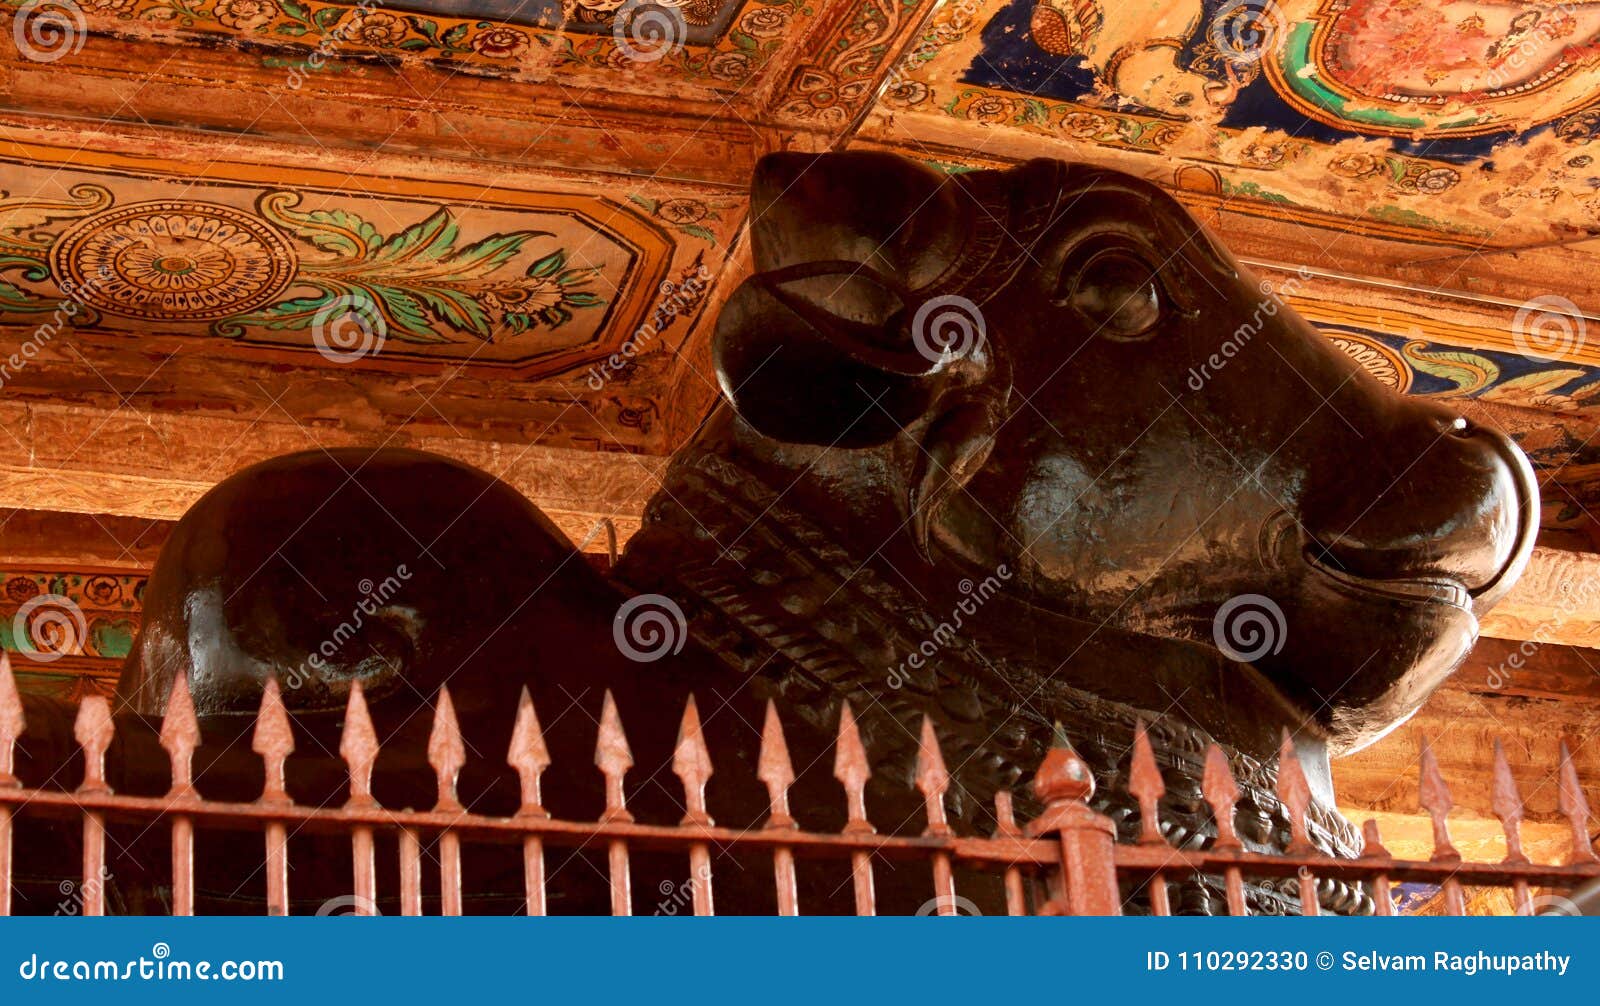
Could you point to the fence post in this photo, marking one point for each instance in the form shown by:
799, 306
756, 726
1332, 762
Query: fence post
1064, 785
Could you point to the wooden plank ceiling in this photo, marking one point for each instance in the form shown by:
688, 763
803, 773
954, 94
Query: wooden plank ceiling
500, 229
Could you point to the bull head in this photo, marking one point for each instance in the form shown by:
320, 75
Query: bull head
1055, 368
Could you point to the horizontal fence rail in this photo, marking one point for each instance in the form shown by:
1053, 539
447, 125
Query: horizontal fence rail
1065, 861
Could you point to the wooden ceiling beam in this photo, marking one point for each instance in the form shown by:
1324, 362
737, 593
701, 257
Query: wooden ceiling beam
42, 539
1462, 726
152, 465
1557, 600
1530, 669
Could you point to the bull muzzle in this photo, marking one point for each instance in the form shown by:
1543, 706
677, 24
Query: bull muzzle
1454, 519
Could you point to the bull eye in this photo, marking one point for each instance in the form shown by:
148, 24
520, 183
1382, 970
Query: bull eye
1117, 292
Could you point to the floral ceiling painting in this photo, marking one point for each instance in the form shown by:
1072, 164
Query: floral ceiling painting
697, 22
529, 282
1462, 116
717, 45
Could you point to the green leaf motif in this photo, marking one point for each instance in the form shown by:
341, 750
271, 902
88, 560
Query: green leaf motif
436, 235
1469, 373
405, 314
488, 255
422, 285
548, 265
338, 232
14, 298
428, 29
458, 310
290, 314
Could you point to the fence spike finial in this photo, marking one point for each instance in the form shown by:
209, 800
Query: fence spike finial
774, 768
691, 763
1433, 793
93, 731
529, 755
446, 751
1087, 883
12, 722
1063, 775
851, 769
1372, 845
1222, 793
1295, 792
613, 757
180, 735
1506, 802
273, 740
1575, 806
358, 746
1146, 786
933, 779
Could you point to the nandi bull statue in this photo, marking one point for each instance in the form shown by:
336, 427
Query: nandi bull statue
984, 456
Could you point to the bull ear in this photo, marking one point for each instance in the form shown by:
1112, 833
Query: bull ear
802, 372
955, 446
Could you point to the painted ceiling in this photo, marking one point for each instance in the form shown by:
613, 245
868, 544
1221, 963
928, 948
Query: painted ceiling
718, 45
531, 208
282, 264
1468, 117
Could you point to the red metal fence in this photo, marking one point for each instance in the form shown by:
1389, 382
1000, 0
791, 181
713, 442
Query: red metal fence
1065, 861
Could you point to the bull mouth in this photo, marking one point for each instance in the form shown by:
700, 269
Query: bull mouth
1424, 590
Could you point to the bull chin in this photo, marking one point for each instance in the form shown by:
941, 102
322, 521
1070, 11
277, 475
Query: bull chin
1359, 657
